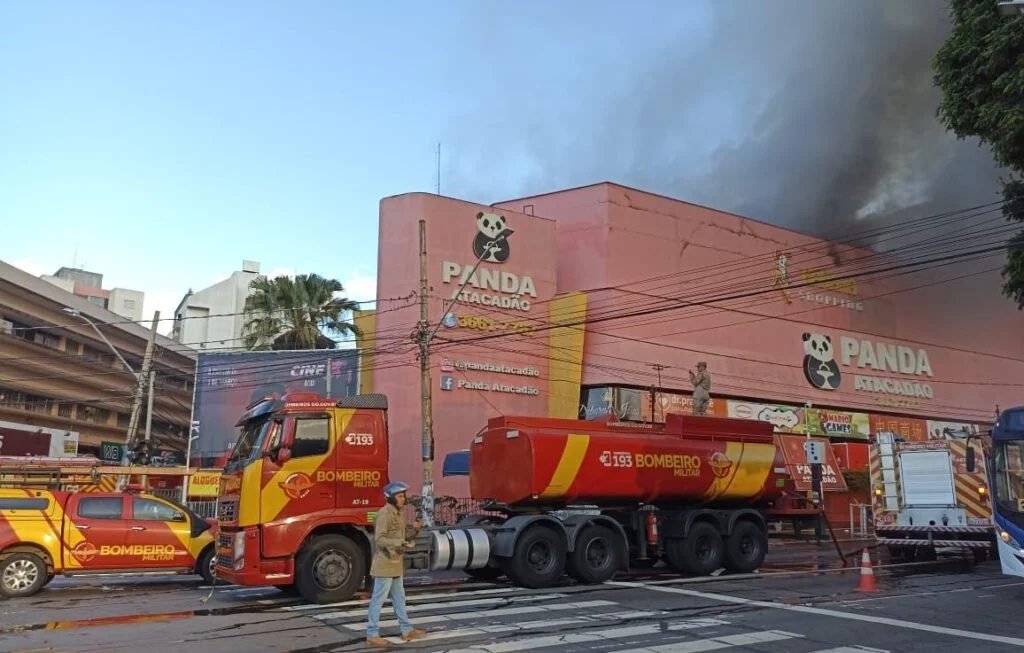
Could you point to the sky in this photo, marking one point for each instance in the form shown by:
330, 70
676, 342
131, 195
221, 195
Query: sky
162, 143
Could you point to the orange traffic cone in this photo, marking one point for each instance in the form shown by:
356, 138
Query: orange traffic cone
868, 582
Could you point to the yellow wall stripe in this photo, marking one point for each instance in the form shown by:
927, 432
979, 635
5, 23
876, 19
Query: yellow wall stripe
366, 345
565, 354
568, 466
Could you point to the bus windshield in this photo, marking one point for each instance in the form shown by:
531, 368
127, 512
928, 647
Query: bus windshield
1009, 475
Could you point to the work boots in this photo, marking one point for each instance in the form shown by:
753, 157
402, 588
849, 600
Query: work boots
413, 634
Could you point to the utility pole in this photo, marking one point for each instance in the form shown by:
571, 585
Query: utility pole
423, 335
140, 386
658, 367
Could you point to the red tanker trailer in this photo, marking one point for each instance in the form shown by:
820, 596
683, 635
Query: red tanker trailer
591, 498
562, 496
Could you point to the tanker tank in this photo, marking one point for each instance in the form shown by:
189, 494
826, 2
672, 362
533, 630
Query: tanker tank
523, 462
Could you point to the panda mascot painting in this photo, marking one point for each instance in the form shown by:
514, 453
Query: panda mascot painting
491, 242
820, 366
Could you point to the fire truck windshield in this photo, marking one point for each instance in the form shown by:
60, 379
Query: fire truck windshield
1009, 475
250, 441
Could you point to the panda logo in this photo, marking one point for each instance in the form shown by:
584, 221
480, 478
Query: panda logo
491, 242
820, 366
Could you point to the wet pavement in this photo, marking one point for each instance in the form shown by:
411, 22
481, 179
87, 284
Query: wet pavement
801, 601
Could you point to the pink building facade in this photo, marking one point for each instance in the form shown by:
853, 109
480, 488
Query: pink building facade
595, 302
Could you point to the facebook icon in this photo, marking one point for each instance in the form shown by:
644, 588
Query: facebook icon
447, 383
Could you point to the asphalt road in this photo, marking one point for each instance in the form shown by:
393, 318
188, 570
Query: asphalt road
788, 607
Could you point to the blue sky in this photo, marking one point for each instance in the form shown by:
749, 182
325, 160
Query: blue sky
160, 143
165, 142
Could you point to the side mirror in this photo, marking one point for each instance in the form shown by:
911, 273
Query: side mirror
284, 454
971, 462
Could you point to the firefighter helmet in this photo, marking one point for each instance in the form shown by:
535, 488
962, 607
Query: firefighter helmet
395, 488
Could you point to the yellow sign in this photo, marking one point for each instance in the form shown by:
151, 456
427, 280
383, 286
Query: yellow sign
680, 464
358, 478
204, 483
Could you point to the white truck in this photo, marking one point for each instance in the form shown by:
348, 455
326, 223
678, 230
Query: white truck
924, 499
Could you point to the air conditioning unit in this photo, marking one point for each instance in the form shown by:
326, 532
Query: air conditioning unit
6, 327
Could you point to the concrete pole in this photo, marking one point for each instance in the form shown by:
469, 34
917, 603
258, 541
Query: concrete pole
427, 496
140, 388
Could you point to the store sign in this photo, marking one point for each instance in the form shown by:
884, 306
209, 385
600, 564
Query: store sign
484, 285
112, 451
449, 365
906, 428
816, 286
825, 371
679, 404
450, 383
802, 420
832, 479
204, 483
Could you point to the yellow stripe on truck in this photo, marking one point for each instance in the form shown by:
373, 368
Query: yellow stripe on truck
568, 466
751, 465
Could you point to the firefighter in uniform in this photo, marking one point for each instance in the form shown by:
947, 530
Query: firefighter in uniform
388, 565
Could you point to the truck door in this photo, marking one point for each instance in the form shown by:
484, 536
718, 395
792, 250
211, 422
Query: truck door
301, 484
98, 533
158, 535
361, 459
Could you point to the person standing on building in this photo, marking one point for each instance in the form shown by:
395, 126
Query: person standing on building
388, 567
701, 388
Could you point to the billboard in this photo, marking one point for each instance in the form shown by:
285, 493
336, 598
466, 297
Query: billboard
228, 382
27, 440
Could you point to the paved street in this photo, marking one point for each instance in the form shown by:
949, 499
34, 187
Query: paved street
945, 606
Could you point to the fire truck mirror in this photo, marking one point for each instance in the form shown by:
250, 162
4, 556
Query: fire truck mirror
971, 463
284, 454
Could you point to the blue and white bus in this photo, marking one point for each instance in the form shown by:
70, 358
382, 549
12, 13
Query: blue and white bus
1006, 469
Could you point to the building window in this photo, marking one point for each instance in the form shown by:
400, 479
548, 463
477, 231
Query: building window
72, 347
12, 398
21, 330
37, 404
101, 416
123, 419
98, 301
128, 304
91, 354
65, 410
83, 412
46, 339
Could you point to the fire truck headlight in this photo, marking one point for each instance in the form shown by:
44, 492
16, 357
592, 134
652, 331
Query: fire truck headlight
878, 491
982, 490
239, 547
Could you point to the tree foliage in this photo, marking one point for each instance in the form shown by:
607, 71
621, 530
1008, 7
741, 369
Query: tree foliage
980, 70
287, 313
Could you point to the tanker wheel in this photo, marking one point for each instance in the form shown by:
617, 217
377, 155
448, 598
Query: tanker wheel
596, 556
699, 553
746, 548
538, 560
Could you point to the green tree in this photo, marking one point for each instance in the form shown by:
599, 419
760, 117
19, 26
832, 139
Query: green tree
980, 70
287, 313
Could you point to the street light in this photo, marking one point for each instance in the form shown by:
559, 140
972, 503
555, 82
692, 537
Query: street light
1011, 7
76, 313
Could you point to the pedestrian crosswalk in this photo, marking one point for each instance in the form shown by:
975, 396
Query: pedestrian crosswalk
506, 620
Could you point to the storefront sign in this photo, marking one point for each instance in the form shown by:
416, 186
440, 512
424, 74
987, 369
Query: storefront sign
802, 420
448, 365
951, 430
204, 483
832, 479
679, 404
488, 287
449, 383
811, 284
906, 428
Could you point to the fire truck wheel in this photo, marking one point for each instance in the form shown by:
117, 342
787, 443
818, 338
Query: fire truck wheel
538, 560
596, 556
22, 574
206, 565
700, 553
746, 548
329, 569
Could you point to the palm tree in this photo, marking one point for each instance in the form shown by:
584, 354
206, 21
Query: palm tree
287, 313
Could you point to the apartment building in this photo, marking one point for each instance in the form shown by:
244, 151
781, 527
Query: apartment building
63, 390
211, 319
126, 303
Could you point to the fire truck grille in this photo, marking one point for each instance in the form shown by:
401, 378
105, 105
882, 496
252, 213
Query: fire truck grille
227, 510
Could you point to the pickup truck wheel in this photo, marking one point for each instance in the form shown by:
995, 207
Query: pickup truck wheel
746, 548
596, 556
206, 565
329, 569
22, 574
538, 560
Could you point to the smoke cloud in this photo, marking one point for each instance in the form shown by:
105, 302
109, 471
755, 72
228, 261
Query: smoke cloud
818, 115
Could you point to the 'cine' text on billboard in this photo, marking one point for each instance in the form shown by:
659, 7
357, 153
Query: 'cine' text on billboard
228, 382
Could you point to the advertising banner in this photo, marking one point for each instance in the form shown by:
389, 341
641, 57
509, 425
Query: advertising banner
112, 452
679, 403
228, 382
800, 420
204, 483
906, 428
951, 430
27, 440
832, 479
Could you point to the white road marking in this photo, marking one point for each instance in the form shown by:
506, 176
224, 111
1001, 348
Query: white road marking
417, 607
408, 597
853, 649
851, 616
716, 643
531, 643
487, 614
